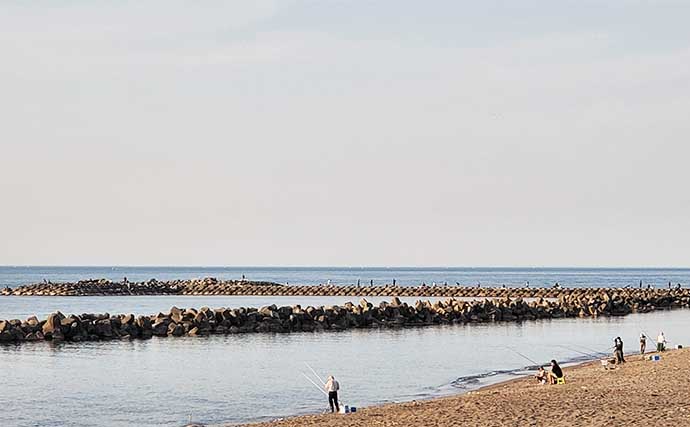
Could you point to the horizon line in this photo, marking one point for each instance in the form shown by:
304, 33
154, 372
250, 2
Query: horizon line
392, 267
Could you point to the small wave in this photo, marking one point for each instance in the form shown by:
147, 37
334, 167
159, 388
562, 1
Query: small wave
472, 380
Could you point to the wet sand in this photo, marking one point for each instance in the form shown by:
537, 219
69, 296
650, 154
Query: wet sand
640, 392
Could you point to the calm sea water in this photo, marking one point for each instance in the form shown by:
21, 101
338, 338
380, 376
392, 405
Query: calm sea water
241, 378
574, 277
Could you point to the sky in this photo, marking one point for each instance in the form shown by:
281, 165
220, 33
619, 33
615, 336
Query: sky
345, 133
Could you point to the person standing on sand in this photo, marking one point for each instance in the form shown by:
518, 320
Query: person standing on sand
618, 352
332, 388
643, 343
661, 342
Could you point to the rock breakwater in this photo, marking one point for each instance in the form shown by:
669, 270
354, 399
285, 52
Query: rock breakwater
212, 286
205, 321
103, 287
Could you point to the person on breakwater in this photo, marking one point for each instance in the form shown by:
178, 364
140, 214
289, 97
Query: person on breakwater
661, 342
332, 388
556, 372
618, 350
643, 343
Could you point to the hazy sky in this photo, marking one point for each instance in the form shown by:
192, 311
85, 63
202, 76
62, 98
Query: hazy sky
324, 132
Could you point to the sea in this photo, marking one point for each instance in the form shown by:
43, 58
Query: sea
235, 379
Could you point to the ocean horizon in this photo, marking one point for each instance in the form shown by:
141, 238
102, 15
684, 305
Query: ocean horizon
405, 276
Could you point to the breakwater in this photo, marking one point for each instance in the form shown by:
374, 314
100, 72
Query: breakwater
103, 287
212, 286
205, 321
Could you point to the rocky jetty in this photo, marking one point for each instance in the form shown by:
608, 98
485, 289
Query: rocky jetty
212, 286
103, 287
205, 321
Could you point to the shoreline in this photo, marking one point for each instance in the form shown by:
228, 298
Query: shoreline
638, 392
502, 379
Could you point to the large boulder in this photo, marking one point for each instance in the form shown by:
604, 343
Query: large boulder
104, 329
175, 330
176, 314
52, 324
160, 328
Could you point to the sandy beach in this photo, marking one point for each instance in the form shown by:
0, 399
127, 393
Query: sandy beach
639, 392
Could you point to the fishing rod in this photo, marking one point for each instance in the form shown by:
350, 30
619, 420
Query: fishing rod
523, 356
321, 389
594, 351
315, 385
314, 372
578, 351
652, 341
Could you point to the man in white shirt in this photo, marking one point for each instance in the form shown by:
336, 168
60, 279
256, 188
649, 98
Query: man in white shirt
661, 342
332, 388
